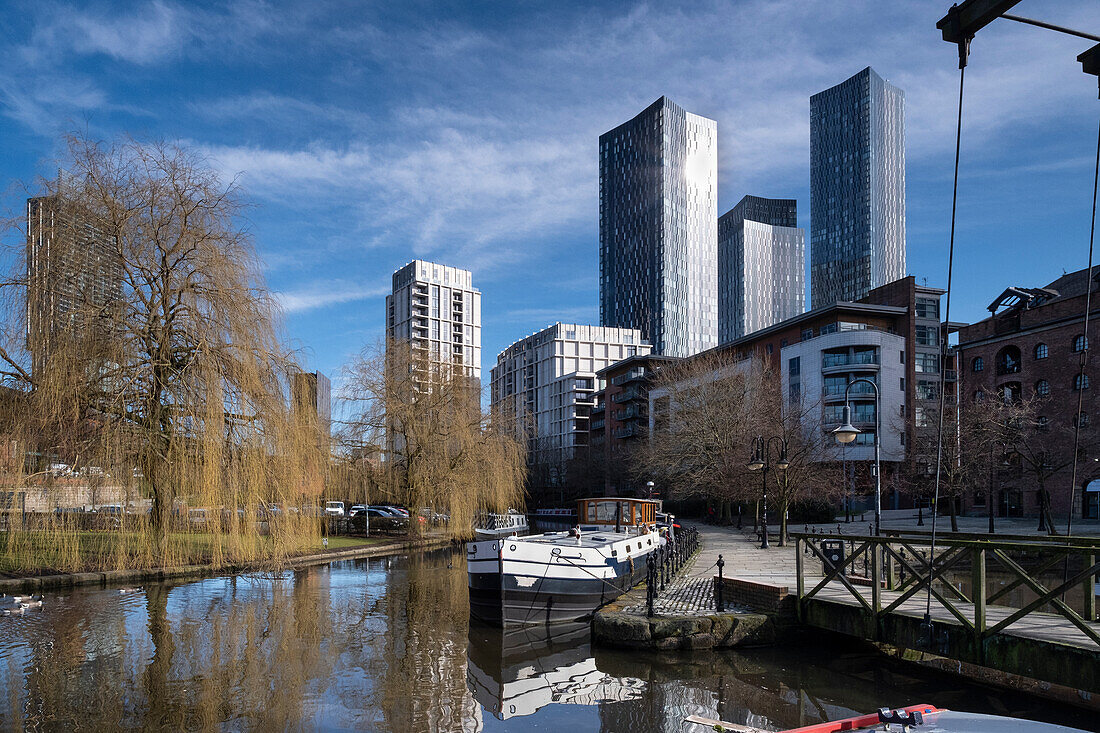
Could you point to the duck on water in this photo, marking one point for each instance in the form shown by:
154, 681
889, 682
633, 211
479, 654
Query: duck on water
564, 576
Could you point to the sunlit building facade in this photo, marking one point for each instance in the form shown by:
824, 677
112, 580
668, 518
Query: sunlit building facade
547, 383
761, 266
658, 242
857, 188
437, 310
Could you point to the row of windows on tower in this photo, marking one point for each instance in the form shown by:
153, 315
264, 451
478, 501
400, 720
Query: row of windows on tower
1008, 359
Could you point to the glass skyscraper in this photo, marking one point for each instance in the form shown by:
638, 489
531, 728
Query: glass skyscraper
658, 240
857, 188
761, 266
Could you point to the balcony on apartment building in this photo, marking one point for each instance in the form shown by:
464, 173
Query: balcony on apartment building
627, 431
863, 415
628, 395
835, 388
633, 375
862, 359
632, 412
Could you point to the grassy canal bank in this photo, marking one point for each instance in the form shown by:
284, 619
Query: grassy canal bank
34, 571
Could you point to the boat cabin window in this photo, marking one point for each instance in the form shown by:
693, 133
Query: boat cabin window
628, 512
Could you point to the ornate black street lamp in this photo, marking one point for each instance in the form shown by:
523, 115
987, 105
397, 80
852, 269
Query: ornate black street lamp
847, 432
762, 461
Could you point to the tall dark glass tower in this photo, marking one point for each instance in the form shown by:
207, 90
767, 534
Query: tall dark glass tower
857, 188
761, 266
658, 240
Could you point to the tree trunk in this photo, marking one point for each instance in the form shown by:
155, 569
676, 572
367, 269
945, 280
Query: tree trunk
782, 522
1045, 516
954, 514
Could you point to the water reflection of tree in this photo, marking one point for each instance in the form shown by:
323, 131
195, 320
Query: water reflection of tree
380, 649
424, 683
246, 656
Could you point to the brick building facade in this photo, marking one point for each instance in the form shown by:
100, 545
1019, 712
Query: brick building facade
1031, 346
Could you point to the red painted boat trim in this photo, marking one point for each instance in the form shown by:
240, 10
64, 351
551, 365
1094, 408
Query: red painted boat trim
860, 721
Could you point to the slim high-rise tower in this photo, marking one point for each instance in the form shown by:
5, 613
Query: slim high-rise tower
658, 242
74, 277
437, 310
857, 188
761, 261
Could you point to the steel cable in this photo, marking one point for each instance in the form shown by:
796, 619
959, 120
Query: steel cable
963, 52
1084, 352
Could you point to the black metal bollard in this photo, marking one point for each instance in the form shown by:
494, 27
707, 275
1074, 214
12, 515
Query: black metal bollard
718, 604
664, 566
650, 580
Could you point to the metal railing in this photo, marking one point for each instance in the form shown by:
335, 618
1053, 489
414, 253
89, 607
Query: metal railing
957, 577
829, 361
663, 563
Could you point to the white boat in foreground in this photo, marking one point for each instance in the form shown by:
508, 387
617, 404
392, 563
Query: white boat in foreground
563, 576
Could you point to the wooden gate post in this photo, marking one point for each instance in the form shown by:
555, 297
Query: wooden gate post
1090, 589
800, 582
978, 590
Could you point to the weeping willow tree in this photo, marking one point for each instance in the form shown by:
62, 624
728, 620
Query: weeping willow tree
437, 448
142, 351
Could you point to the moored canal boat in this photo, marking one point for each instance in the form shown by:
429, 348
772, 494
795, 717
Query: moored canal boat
502, 525
563, 576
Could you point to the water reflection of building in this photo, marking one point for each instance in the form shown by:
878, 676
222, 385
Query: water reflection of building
518, 672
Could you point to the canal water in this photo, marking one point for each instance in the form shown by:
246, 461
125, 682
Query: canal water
386, 644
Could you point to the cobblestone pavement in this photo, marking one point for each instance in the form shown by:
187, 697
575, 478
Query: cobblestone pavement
688, 593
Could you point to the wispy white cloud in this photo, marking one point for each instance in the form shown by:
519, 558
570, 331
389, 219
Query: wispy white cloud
322, 294
144, 35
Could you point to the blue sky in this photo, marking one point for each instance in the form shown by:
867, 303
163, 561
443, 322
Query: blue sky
369, 134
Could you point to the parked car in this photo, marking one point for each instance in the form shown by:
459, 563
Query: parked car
355, 508
426, 514
373, 518
334, 508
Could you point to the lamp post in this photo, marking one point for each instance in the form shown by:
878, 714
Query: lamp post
649, 486
847, 432
989, 499
762, 461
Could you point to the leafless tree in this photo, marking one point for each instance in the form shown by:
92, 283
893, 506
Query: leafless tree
156, 352
707, 410
439, 449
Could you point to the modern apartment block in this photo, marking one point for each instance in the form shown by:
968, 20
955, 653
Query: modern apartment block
74, 275
857, 188
889, 337
620, 416
437, 310
761, 266
547, 381
658, 242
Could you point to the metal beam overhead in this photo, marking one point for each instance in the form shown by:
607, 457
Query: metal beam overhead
1090, 61
965, 20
